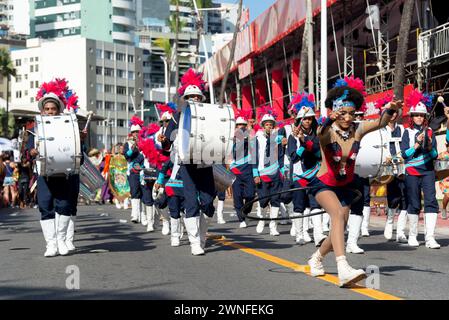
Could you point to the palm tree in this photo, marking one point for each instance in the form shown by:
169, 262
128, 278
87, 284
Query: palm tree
231, 57
401, 54
6, 70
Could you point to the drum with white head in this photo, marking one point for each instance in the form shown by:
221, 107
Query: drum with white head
58, 144
205, 134
371, 159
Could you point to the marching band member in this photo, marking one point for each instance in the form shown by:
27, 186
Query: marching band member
304, 151
419, 149
170, 178
266, 171
135, 165
57, 196
198, 179
154, 161
339, 143
243, 188
396, 190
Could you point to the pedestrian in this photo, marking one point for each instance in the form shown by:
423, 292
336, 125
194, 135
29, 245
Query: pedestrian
24, 168
444, 184
9, 183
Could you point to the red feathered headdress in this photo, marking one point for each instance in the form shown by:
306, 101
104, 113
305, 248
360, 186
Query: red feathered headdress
192, 78
148, 146
60, 88
382, 102
135, 120
266, 109
245, 114
357, 84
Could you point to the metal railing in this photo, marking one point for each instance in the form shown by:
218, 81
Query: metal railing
433, 44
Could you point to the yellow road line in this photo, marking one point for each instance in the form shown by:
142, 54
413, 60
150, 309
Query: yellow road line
375, 294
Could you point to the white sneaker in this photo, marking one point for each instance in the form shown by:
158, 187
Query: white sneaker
293, 229
299, 240
306, 236
354, 248
432, 244
117, 204
242, 224
316, 265
348, 275
260, 226
401, 238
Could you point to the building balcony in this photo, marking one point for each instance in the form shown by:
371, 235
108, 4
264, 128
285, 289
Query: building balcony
123, 36
125, 21
122, 4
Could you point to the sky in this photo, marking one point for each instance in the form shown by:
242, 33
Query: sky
256, 7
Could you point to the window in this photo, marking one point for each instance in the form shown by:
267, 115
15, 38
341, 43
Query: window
99, 70
31, 59
18, 94
99, 105
120, 56
120, 123
26, 92
121, 90
109, 88
18, 78
32, 99
108, 55
109, 72
121, 73
31, 68
130, 58
36, 59
36, 84
26, 76
130, 75
99, 88
108, 105
32, 84
131, 91
18, 63
99, 54
36, 68
122, 106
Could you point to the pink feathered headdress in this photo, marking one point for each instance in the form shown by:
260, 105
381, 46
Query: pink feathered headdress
192, 78
382, 102
245, 114
266, 109
60, 88
135, 120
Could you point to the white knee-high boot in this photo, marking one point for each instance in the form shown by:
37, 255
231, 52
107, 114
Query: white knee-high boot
193, 230
298, 223
70, 234
318, 236
49, 231
165, 221
143, 215
354, 223
413, 230
430, 224
365, 222
274, 213
261, 223
135, 210
220, 207
400, 228
305, 227
175, 231
61, 233
150, 218
326, 221
284, 213
388, 232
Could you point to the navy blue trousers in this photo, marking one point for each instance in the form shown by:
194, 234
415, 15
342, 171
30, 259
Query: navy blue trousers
243, 191
147, 193
397, 194
303, 199
268, 188
57, 194
361, 184
135, 186
175, 206
221, 196
426, 184
287, 197
199, 190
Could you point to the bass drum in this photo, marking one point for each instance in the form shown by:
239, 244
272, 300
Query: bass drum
205, 133
58, 143
371, 159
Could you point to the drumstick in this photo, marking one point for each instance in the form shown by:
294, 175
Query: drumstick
90, 113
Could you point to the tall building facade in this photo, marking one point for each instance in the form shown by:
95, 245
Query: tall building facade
107, 77
103, 20
15, 17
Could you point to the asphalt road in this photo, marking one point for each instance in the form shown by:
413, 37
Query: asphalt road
118, 260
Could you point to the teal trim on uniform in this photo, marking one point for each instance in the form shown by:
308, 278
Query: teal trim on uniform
433, 153
300, 151
255, 172
279, 139
129, 153
410, 152
160, 178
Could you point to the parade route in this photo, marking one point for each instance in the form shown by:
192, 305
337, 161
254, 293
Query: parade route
119, 260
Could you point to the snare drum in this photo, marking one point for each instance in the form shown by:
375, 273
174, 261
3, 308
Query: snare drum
205, 133
223, 178
371, 159
58, 144
441, 169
